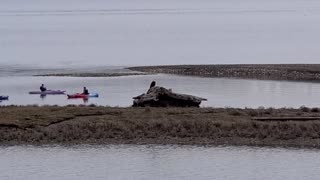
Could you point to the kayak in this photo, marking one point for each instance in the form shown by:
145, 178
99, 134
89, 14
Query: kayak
80, 95
47, 92
4, 98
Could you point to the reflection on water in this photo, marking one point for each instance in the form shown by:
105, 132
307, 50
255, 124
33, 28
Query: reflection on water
157, 162
43, 96
118, 91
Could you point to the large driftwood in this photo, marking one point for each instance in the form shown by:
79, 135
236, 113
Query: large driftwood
162, 97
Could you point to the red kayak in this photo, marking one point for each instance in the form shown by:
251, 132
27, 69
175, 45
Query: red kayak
80, 95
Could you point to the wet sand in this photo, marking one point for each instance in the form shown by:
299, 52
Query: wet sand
194, 126
292, 72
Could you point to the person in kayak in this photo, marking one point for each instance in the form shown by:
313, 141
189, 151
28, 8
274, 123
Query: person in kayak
42, 88
85, 91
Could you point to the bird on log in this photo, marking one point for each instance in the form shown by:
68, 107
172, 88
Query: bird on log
162, 97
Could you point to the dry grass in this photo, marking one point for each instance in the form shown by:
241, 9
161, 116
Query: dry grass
74, 124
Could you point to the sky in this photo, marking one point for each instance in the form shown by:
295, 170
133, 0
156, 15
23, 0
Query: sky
152, 32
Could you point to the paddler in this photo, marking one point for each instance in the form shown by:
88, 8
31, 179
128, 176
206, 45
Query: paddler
42, 88
85, 91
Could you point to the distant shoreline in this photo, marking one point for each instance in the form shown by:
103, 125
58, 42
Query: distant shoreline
291, 72
189, 126
93, 74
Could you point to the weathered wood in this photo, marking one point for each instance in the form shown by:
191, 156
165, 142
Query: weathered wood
161, 97
285, 118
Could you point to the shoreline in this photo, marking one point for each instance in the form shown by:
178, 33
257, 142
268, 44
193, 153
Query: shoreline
285, 72
290, 72
29, 125
91, 74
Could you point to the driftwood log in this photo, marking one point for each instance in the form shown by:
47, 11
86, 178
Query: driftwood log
162, 97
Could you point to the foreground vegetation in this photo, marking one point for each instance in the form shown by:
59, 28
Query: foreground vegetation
105, 125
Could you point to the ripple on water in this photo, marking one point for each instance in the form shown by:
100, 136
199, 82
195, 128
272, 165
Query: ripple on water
157, 162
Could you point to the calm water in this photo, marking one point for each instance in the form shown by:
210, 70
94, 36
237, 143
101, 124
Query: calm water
118, 91
157, 162
59, 35
126, 32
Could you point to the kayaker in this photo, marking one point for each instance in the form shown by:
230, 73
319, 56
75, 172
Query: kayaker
85, 91
42, 88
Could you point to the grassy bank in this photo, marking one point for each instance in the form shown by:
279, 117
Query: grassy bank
295, 72
104, 125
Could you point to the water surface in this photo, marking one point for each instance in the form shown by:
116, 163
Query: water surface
157, 162
118, 91
140, 32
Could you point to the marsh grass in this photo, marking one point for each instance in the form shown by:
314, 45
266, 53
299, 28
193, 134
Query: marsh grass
89, 124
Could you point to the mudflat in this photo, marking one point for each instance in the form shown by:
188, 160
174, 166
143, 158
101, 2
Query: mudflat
195, 126
294, 72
